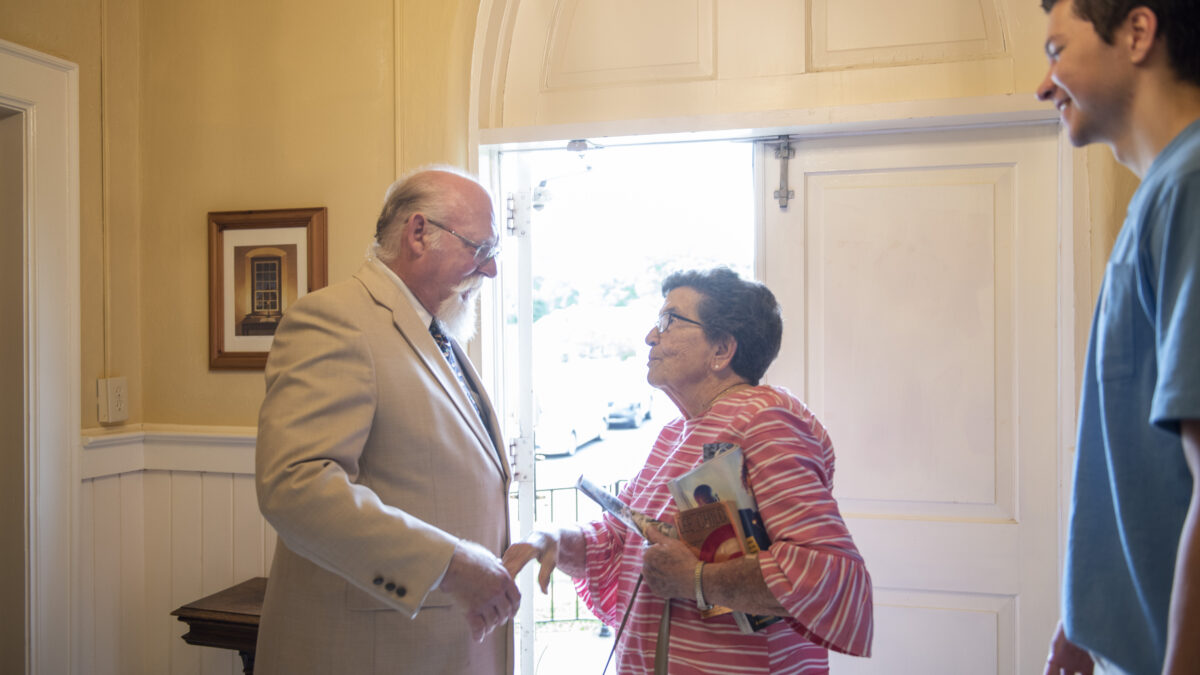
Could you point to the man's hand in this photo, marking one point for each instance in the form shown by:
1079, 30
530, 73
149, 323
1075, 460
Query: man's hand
1066, 658
668, 566
482, 587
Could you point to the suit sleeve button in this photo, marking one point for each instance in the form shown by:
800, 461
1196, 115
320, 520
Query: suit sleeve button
377, 581
401, 591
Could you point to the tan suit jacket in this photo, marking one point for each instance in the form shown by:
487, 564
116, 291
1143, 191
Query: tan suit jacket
371, 464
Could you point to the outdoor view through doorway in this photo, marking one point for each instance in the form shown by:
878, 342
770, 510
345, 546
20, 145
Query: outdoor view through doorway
607, 225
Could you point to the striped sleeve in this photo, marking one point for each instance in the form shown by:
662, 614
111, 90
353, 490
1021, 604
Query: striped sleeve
604, 588
812, 567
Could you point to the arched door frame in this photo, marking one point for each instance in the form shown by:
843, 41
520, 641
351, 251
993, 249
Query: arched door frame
494, 29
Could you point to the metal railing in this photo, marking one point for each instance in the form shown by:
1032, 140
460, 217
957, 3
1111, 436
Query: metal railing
563, 506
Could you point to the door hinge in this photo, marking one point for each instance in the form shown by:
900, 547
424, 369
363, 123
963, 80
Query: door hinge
516, 218
522, 468
783, 152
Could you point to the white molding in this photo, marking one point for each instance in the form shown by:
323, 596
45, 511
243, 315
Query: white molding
975, 111
1074, 315
494, 25
45, 90
168, 448
37, 58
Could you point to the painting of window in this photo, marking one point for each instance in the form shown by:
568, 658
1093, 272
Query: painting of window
268, 285
260, 264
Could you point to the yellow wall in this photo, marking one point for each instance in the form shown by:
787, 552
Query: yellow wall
70, 29
259, 105
225, 105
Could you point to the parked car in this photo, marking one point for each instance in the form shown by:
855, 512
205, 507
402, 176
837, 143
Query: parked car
630, 397
630, 406
568, 421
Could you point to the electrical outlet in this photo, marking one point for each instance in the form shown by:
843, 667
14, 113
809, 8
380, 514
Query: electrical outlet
118, 398
112, 400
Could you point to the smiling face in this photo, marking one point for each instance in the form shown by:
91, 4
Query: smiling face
1088, 79
680, 358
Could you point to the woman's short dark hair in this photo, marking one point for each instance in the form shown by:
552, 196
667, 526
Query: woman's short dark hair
732, 307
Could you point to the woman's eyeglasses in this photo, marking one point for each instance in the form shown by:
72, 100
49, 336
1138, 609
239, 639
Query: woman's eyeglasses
666, 318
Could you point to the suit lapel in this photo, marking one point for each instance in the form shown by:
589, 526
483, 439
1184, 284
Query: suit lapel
485, 403
386, 293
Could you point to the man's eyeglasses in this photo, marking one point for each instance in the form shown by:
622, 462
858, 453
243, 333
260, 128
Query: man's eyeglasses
666, 318
482, 252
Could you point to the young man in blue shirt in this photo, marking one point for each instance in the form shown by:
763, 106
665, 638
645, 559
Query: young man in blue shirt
1127, 73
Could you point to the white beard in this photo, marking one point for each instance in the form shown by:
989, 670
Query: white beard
456, 314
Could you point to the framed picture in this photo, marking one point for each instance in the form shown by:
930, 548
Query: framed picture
259, 263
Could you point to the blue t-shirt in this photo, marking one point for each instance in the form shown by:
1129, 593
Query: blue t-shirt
1132, 484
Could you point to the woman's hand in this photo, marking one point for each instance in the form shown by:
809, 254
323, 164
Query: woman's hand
564, 548
540, 545
669, 567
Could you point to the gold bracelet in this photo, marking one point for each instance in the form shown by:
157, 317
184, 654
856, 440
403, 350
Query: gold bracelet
700, 603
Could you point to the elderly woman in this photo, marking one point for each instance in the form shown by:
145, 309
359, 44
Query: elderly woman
715, 336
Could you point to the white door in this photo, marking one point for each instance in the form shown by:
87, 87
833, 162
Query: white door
919, 282
917, 273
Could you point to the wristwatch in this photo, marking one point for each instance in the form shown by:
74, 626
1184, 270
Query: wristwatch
700, 603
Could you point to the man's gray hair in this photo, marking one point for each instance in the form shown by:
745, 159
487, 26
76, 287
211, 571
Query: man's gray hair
415, 191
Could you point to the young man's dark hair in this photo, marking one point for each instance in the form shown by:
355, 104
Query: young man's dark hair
1178, 22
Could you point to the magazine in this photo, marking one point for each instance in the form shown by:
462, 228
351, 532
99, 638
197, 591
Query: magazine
711, 532
635, 521
721, 477
639, 522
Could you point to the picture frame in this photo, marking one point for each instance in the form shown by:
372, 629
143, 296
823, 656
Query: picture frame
259, 263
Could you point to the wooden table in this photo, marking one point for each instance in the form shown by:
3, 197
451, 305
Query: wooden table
227, 619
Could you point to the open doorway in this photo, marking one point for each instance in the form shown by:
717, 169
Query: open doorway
605, 227
916, 270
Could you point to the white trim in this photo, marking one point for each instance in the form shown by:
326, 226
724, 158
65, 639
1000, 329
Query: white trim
976, 111
494, 23
1074, 315
168, 448
45, 90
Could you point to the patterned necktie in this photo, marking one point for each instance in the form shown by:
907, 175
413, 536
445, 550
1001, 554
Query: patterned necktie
447, 350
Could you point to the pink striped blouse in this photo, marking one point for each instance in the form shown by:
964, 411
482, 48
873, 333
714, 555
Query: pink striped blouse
812, 566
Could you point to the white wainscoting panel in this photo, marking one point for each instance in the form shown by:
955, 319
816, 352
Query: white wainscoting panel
169, 516
871, 33
913, 629
113, 598
914, 265
594, 43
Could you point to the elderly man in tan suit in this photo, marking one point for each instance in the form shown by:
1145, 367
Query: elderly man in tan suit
379, 459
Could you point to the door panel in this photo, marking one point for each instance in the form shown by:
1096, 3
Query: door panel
917, 274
